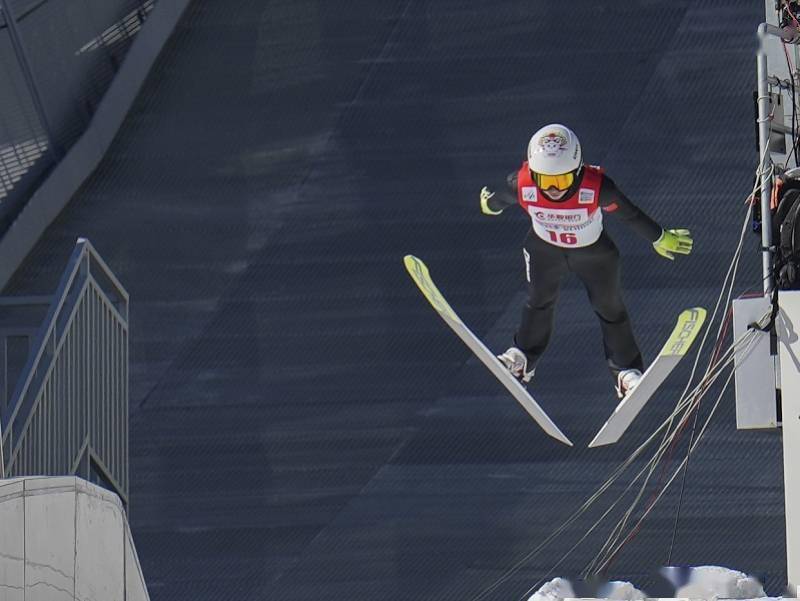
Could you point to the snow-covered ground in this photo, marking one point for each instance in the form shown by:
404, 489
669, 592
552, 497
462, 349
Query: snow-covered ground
703, 582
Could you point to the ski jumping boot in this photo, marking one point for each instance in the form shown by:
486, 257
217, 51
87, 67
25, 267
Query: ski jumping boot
627, 380
517, 363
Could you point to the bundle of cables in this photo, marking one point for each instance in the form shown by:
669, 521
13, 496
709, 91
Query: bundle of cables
668, 434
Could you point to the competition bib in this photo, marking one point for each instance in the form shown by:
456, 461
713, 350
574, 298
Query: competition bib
573, 222
568, 228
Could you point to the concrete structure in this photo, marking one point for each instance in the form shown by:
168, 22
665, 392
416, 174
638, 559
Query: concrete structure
64, 538
787, 326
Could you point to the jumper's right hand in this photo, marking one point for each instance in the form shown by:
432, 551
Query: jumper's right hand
486, 194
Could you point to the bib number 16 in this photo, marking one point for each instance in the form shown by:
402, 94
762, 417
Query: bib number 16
564, 238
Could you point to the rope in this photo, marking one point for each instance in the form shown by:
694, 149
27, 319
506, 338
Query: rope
673, 435
688, 402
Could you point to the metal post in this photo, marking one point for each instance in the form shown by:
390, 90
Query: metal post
27, 73
764, 130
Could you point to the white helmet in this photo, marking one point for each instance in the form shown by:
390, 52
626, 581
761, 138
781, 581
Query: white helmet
554, 150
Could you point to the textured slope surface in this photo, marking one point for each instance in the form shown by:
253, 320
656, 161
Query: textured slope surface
304, 425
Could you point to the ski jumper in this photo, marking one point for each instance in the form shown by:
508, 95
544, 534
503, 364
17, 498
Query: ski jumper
568, 236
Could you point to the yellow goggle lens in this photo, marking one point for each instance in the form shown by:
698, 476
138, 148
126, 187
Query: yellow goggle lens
560, 182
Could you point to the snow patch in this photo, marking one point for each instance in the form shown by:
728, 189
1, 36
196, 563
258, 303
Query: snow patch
704, 582
715, 582
555, 590
623, 591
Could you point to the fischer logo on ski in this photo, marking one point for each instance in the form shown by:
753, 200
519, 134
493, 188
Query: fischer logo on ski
688, 327
689, 324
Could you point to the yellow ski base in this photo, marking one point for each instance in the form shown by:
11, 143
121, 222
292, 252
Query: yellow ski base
420, 274
690, 322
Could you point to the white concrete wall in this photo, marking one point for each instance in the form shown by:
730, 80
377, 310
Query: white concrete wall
788, 327
65, 539
12, 543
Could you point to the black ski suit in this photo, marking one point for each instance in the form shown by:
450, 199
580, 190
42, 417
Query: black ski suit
596, 265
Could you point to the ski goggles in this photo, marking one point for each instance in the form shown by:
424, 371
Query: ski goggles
560, 182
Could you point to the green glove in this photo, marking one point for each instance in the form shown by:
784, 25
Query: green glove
485, 196
673, 241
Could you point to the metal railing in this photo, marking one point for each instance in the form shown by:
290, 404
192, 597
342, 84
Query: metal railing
69, 410
57, 59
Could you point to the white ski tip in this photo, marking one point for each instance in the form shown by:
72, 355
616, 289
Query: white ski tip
552, 430
600, 440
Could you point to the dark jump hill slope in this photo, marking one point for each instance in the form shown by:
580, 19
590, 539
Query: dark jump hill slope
304, 426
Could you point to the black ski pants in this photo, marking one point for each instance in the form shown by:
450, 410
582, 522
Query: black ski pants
597, 266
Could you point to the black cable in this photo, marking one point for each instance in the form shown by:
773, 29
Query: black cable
767, 328
683, 481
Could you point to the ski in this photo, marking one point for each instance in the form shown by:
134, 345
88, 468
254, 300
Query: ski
690, 322
421, 276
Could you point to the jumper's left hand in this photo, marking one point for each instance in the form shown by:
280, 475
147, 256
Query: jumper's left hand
673, 241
